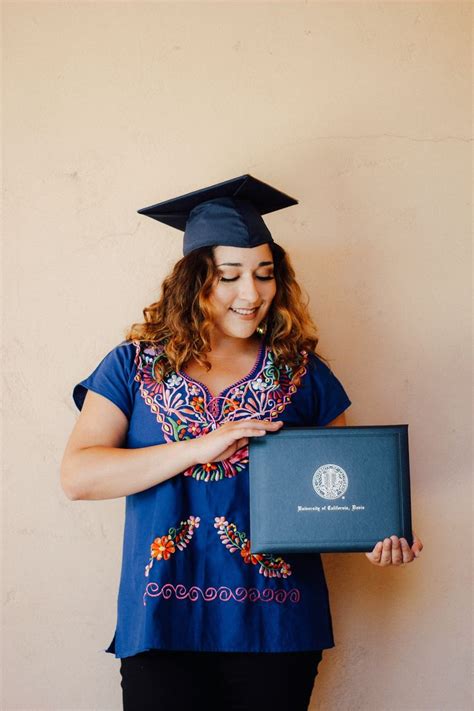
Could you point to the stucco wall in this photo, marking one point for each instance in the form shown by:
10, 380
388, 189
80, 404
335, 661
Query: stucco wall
360, 110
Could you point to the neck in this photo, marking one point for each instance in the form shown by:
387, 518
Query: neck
227, 346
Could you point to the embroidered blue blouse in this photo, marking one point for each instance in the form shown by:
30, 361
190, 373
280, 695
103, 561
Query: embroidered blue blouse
189, 580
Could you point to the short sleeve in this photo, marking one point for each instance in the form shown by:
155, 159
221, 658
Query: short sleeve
113, 378
329, 397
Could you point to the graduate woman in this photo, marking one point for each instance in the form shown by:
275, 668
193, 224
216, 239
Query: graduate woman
227, 353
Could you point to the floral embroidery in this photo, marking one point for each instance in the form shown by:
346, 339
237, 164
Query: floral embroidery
185, 409
213, 471
164, 546
258, 384
270, 566
222, 593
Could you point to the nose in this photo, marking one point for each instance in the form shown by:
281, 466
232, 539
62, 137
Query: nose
248, 291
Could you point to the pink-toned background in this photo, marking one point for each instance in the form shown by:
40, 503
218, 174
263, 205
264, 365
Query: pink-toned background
361, 111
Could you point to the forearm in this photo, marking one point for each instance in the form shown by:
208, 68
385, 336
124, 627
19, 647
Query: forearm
102, 472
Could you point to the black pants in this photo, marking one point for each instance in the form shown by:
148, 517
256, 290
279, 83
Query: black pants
229, 681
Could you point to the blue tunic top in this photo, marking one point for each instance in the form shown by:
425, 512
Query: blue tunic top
189, 580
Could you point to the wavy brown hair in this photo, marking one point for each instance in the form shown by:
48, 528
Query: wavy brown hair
182, 318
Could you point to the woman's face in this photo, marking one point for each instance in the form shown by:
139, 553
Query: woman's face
245, 281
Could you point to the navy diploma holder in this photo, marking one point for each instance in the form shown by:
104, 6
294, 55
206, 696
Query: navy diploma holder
329, 489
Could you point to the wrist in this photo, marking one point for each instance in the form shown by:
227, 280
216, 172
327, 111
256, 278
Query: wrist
191, 449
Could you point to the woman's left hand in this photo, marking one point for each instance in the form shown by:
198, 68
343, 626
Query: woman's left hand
395, 551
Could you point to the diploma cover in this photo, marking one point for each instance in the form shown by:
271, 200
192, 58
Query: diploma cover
329, 489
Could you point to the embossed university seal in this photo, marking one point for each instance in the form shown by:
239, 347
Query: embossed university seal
330, 481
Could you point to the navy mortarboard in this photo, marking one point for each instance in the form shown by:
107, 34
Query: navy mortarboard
228, 213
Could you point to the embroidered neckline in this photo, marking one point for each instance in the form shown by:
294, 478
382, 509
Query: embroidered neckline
262, 351
185, 408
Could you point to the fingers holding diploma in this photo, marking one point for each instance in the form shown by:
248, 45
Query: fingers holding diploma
395, 551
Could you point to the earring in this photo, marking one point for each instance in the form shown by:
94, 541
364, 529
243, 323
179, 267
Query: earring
261, 329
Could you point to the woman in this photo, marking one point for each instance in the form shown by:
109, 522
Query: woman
226, 354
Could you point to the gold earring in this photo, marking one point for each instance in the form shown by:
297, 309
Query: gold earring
261, 329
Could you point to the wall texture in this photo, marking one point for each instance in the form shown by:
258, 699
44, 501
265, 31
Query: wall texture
362, 111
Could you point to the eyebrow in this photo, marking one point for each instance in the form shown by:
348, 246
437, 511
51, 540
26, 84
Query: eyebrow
238, 264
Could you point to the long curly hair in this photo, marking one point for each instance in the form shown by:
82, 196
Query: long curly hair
182, 318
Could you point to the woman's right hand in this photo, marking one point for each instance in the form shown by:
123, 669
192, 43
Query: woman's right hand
224, 441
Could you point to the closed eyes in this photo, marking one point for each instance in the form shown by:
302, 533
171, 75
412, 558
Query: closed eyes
259, 277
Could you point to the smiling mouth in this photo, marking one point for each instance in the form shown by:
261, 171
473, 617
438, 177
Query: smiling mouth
245, 312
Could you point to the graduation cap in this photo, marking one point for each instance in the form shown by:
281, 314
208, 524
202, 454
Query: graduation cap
228, 213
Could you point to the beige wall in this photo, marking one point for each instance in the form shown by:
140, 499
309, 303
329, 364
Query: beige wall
362, 111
